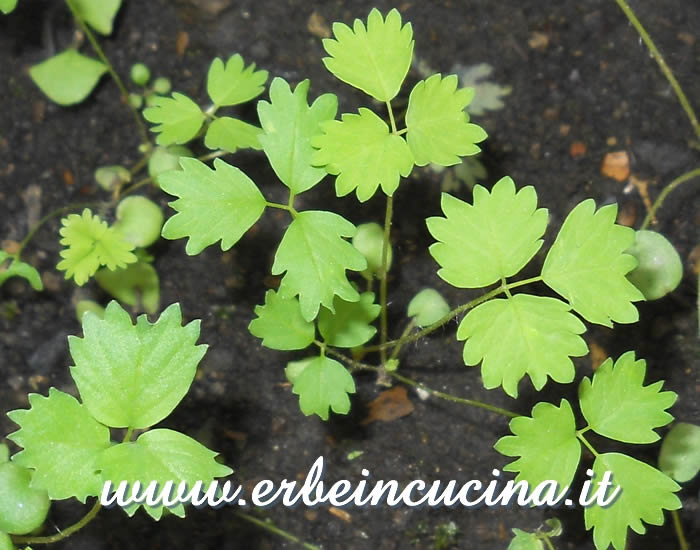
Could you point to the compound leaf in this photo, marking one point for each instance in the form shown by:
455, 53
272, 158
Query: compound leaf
178, 118
546, 444
18, 268
134, 375
99, 15
315, 256
492, 239
68, 77
321, 383
350, 325
680, 452
62, 443
219, 204
645, 494
280, 324
363, 154
161, 455
233, 83
587, 265
618, 405
289, 124
230, 134
91, 243
7, 6
542, 337
136, 285
439, 130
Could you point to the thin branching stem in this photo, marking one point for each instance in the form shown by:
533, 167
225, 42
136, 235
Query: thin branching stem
272, 528
67, 532
384, 276
665, 192
678, 528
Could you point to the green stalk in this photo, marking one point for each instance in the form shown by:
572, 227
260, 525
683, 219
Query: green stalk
383, 279
268, 526
67, 532
678, 527
665, 192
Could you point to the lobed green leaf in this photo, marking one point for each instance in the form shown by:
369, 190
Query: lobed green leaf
280, 323
322, 383
349, 326
67, 78
231, 134
232, 82
178, 118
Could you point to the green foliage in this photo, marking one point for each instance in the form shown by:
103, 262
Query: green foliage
321, 383
490, 240
22, 507
525, 541
232, 83
178, 118
488, 96
5, 540
587, 265
165, 159
363, 153
427, 307
349, 326
7, 6
18, 268
660, 268
98, 14
438, 127
289, 124
91, 243
110, 178
67, 78
369, 240
139, 220
224, 196
136, 285
374, 58
280, 323
680, 452
231, 134
541, 333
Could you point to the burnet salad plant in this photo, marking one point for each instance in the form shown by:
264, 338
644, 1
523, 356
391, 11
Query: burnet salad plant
132, 376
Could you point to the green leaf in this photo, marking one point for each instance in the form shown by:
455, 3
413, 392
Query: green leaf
233, 83
660, 268
587, 265
350, 325
546, 444
178, 118
322, 383
525, 541
315, 256
375, 58
645, 494
369, 240
136, 285
139, 220
438, 126
542, 337
7, 6
488, 95
289, 124
18, 268
490, 240
67, 78
161, 455
220, 204
99, 14
62, 443
680, 452
280, 324
134, 376
91, 243
427, 307
362, 152
618, 405
231, 134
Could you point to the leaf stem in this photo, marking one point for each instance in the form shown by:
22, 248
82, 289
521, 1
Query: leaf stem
269, 526
627, 10
579, 435
678, 527
665, 192
547, 542
392, 121
409, 327
383, 285
67, 532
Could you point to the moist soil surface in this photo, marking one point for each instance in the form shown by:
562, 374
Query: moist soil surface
583, 85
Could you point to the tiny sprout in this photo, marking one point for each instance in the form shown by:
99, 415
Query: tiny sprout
660, 269
428, 307
139, 220
83, 306
112, 177
140, 74
161, 85
165, 159
369, 240
135, 101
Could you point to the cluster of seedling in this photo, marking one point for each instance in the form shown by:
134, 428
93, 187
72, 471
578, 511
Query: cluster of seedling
598, 269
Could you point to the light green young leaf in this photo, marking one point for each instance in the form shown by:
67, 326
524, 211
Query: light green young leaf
546, 444
487, 94
363, 154
99, 14
134, 376
136, 285
618, 405
350, 325
161, 455
68, 77
289, 124
91, 243
680, 452
542, 337
178, 118
525, 541
220, 204
18, 268
231, 134
233, 83
7, 6
587, 265
375, 58
438, 126
492, 239
280, 324
322, 383
62, 443
645, 494
427, 307
315, 256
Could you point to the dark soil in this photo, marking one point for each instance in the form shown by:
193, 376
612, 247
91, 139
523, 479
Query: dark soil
593, 75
